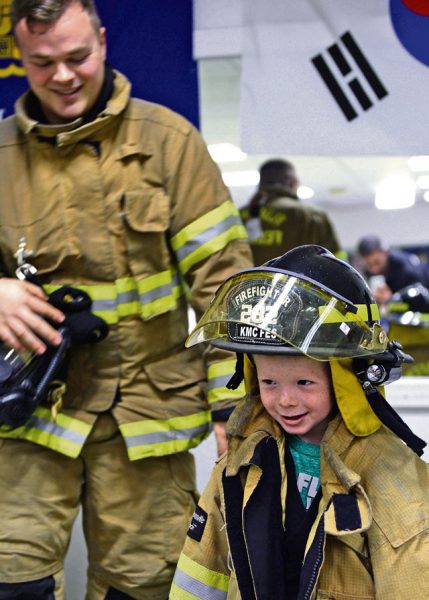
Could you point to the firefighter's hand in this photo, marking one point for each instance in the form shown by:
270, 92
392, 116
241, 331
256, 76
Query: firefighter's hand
219, 428
24, 308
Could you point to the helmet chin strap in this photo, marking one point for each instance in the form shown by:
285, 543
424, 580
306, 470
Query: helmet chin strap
385, 369
238, 376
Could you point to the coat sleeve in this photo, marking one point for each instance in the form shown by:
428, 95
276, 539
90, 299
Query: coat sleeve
209, 242
202, 571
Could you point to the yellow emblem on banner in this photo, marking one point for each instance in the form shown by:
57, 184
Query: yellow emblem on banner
9, 53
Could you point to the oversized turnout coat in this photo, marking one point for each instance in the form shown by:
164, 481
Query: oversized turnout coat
370, 539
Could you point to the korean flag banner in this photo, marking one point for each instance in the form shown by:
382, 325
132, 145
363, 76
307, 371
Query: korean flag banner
326, 77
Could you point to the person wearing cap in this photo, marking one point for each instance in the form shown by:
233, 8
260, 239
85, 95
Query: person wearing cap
317, 496
388, 269
277, 220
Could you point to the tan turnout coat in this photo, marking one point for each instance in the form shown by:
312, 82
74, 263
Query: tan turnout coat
131, 208
379, 550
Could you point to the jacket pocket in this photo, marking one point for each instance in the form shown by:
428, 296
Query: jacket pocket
179, 386
177, 371
146, 215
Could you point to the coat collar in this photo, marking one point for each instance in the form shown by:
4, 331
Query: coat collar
73, 132
350, 511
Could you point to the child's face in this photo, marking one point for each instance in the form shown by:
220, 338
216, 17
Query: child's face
297, 392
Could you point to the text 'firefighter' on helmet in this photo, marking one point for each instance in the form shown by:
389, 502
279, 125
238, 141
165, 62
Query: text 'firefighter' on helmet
306, 301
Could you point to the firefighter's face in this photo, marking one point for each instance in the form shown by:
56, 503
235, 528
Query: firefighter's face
64, 63
376, 262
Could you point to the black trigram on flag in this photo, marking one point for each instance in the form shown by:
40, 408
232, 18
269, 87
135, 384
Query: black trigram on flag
345, 82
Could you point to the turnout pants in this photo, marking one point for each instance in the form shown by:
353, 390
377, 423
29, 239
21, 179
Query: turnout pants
135, 517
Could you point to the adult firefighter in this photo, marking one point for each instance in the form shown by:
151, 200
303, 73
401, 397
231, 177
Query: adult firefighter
117, 197
277, 220
318, 496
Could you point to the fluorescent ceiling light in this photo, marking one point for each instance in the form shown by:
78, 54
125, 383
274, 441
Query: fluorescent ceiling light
240, 178
304, 192
423, 182
426, 196
226, 153
395, 191
418, 163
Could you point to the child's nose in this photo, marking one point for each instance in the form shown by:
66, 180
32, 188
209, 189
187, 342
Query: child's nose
287, 398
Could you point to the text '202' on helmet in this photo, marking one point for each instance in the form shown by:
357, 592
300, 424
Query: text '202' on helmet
306, 301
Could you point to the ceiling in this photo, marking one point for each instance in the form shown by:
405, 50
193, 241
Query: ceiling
344, 181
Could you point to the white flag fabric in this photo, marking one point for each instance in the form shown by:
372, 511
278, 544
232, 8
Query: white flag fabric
329, 77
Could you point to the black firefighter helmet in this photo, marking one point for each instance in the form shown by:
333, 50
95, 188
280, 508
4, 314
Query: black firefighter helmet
309, 302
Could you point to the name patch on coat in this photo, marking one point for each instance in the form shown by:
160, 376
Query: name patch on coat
198, 523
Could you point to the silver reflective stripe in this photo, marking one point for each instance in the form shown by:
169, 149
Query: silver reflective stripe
158, 437
126, 297
104, 305
55, 429
207, 235
162, 291
197, 588
219, 382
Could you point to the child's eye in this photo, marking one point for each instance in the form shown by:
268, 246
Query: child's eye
267, 382
304, 382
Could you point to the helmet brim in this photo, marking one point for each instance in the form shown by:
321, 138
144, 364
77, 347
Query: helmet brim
255, 348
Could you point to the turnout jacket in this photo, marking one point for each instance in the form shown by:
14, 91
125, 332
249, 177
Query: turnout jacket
131, 208
370, 539
286, 222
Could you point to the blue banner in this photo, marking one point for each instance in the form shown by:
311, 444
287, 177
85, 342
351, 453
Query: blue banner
150, 41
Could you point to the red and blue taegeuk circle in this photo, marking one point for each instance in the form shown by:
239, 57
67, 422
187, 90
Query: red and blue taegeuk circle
410, 20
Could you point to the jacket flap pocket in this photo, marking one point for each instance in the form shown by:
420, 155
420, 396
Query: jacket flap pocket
181, 369
145, 212
133, 149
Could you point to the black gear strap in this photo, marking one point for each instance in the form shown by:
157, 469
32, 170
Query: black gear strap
389, 417
238, 376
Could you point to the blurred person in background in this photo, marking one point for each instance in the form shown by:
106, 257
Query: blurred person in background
277, 220
389, 270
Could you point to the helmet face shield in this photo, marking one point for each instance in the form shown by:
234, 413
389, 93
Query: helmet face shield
268, 309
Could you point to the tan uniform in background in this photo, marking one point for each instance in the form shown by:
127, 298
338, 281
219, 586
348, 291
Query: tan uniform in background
287, 222
131, 208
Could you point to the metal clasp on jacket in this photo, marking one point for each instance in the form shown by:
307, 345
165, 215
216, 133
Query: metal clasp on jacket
24, 268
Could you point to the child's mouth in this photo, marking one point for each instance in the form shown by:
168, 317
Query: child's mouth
293, 418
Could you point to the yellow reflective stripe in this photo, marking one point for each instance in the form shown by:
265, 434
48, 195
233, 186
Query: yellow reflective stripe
221, 241
103, 296
147, 297
65, 435
335, 316
218, 374
223, 394
126, 296
160, 437
192, 580
398, 307
208, 234
156, 294
178, 593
